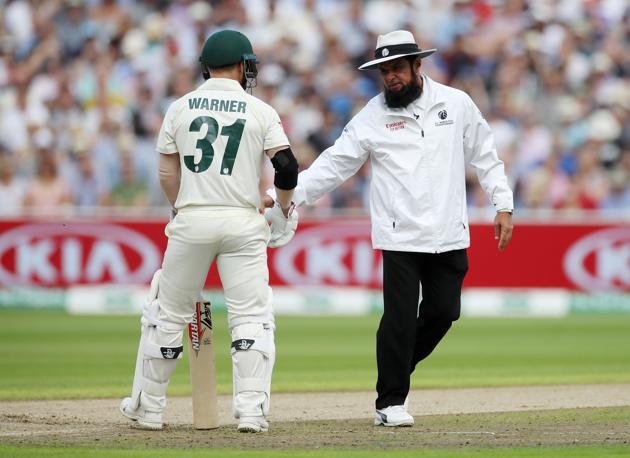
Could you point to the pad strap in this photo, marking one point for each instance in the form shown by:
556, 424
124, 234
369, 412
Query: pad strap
154, 351
253, 384
252, 336
250, 344
150, 317
155, 388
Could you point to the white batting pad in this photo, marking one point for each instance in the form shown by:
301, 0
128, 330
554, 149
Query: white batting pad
160, 360
160, 348
253, 357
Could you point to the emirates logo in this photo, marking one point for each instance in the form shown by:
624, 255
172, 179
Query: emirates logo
394, 126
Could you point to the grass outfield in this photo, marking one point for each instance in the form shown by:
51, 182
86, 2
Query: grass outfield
51, 355
555, 452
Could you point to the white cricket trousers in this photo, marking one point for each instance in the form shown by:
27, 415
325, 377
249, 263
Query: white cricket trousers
236, 238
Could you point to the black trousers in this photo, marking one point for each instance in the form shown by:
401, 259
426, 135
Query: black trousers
407, 333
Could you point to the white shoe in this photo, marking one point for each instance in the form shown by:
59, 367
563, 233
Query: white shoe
253, 425
144, 418
393, 416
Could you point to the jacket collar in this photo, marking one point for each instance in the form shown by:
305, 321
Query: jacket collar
221, 84
431, 96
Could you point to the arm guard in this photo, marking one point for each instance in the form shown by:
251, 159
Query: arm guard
286, 168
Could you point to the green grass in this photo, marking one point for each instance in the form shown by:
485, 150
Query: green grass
555, 452
54, 355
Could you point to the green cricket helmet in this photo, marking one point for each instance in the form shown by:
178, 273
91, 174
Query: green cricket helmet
229, 47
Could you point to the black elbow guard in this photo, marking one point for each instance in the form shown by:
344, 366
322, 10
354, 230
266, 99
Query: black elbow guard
286, 168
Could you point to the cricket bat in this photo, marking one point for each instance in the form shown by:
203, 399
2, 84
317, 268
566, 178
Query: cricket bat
202, 369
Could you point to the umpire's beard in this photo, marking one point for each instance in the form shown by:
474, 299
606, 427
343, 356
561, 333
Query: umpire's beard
402, 98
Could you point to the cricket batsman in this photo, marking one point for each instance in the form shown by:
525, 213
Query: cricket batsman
211, 144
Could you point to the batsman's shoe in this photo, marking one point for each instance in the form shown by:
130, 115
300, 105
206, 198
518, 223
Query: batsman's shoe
144, 418
393, 416
253, 425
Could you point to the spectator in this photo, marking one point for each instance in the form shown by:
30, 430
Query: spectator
88, 189
129, 192
46, 193
619, 197
74, 27
553, 77
12, 189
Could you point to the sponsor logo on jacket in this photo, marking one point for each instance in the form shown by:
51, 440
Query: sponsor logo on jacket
394, 126
443, 115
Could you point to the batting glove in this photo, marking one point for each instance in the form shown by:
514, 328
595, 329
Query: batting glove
282, 227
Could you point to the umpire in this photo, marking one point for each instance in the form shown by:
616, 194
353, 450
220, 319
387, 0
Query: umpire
419, 136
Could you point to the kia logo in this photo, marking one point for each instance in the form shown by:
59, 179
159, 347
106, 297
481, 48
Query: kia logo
56, 254
601, 260
336, 254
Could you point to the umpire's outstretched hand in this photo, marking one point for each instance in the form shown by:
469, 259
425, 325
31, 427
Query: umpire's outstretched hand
503, 229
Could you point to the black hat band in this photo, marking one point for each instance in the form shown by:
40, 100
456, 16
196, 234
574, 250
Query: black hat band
395, 50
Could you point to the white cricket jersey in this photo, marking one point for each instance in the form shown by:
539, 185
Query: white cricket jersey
221, 133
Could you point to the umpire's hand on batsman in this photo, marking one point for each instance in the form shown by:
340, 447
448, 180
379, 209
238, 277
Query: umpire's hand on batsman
503, 228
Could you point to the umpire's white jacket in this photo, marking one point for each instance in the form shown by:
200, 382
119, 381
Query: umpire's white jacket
418, 156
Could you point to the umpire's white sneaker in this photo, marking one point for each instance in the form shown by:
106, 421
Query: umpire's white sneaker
393, 416
253, 425
144, 418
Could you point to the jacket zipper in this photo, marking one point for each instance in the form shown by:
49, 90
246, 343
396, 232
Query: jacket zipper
422, 134
421, 123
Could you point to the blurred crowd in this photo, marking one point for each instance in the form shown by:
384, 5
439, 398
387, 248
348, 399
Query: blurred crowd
84, 85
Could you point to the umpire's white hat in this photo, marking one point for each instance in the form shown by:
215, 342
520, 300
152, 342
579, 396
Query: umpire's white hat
393, 45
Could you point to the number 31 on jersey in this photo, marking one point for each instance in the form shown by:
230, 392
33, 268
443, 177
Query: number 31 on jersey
234, 132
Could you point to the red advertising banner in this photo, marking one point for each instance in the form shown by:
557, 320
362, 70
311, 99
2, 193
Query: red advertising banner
335, 252
76, 252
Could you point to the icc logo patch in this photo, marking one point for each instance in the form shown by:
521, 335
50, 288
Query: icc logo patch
442, 114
